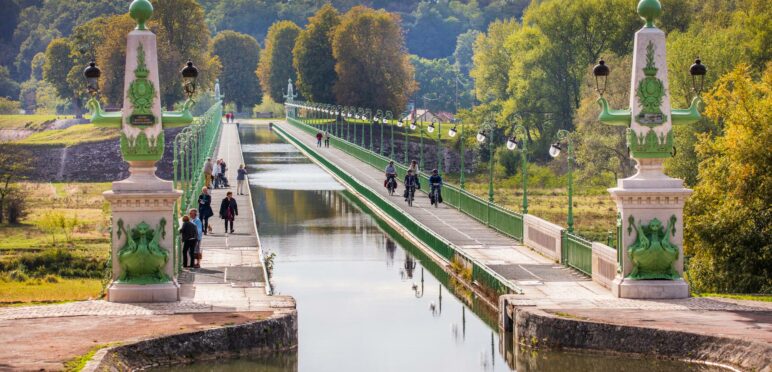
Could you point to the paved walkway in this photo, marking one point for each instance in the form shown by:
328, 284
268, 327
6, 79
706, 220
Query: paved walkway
545, 283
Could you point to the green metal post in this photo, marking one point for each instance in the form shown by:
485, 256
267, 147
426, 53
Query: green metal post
524, 163
421, 153
407, 141
390, 120
439, 147
463, 153
490, 167
379, 116
570, 186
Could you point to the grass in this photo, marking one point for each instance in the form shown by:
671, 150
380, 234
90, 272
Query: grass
737, 296
79, 362
36, 291
36, 252
30, 122
74, 135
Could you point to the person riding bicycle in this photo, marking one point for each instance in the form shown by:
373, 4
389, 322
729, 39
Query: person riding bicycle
391, 173
436, 182
411, 184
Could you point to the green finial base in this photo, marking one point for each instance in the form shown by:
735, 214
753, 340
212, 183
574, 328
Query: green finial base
649, 10
140, 11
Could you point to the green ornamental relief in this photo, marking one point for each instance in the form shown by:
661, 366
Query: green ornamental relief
652, 254
651, 92
142, 259
650, 145
141, 93
142, 147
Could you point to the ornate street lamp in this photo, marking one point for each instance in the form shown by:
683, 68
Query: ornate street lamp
486, 133
367, 122
377, 121
601, 72
388, 117
420, 127
512, 146
698, 71
452, 133
439, 141
401, 123
564, 135
189, 77
92, 74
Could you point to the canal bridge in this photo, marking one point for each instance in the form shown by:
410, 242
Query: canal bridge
484, 240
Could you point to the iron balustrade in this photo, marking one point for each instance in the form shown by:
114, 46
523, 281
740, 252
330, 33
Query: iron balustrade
192, 146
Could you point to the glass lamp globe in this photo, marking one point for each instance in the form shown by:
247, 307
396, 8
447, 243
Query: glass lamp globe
384, 121
511, 144
412, 126
356, 116
400, 123
430, 128
555, 150
481, 137
452, 132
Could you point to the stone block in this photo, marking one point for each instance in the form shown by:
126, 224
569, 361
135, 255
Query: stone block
649, 289
129, 293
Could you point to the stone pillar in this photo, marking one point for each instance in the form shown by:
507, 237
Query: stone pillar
650, 203
142, 205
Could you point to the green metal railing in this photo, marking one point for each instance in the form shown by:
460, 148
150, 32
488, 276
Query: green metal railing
577, 252
192, 146
480, 274
506, 221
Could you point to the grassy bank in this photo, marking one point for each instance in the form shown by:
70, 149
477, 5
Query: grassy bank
74, 135
40, 260
29, 122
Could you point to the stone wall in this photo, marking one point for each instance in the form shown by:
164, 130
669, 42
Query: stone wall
275, 334
91, 162
538, 329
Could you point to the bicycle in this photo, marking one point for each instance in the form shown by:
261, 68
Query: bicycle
435, 195
410, 195
391, 185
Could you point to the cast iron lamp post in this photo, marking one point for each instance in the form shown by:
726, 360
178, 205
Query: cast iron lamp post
421, 136
554, 152
92, 74
512, 145
439, 141
486, 133
377, 121
388, 118
401, 124
452, 133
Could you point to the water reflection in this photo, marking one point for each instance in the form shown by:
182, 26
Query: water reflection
357, 310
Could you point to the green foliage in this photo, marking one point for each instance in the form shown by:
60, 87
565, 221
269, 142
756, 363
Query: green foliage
239, 55
313, 56
8, 87
57, 65
437, 24
464, 53
372, 66
728, 219
8, 107
441, 83
491, 61
275, 66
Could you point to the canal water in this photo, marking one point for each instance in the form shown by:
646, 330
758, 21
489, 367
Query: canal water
367, 300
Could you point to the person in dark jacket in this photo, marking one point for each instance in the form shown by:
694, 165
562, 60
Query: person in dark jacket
189, 237
435, 181
229, 210
205, 208
411, 184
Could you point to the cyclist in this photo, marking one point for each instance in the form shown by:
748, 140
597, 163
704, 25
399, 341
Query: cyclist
391, 174
411, 184
436, 182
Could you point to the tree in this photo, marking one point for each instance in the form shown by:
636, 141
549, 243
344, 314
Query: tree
14, 164
275, 66
251, 17
8, 87
728, 219
437, 25
491, 61
464, 53
57, 65
9, 107
441, 82
239, 55
313, 58
372, 66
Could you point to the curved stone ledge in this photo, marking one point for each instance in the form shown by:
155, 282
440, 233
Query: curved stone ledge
275, 334
536, 328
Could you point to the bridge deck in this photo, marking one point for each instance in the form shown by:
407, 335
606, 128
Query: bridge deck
541, 279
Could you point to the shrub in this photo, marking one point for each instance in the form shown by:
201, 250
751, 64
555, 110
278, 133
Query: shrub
8, 107
16, 207
18, 275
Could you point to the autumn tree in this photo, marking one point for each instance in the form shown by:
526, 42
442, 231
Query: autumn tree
239, 55
57, 65
312, 56
728, 219
372, 65
275, 66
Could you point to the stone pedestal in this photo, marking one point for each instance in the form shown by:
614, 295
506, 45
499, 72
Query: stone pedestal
143, 197
640, 199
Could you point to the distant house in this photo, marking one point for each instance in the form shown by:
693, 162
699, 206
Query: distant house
426, 115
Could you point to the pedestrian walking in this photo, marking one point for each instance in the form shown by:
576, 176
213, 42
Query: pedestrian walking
205, 209
228, 211
241, 179
223, 179
327, 139
193, 215
208, 169
189, 236
318, 139
216, 175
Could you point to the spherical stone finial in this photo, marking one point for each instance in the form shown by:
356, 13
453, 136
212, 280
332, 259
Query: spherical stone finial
649, 10
140, 11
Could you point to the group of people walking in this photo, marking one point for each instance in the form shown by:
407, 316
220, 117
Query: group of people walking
196, 223
325, 136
